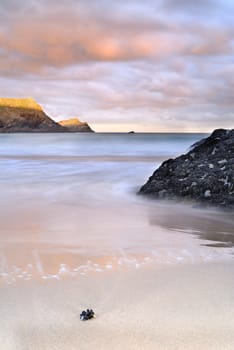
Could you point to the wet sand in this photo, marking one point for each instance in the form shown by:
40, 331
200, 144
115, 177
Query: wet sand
176, 307
60, 239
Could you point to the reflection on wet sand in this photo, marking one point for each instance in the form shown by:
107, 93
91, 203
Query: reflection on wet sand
208, 224
67, 239
46, 262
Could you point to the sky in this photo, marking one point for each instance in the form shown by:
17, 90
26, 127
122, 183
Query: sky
120, 65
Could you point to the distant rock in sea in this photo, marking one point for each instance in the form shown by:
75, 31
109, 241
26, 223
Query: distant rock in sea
75, 125
205, 174
25, 115
131, 132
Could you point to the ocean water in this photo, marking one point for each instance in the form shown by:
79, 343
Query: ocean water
68, 207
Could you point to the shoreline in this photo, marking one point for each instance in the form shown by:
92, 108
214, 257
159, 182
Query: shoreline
55, 263
181, 307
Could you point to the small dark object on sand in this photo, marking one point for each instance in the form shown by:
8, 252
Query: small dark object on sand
87, 315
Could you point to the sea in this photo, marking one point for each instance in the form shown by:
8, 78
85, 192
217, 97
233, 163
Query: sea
69, 207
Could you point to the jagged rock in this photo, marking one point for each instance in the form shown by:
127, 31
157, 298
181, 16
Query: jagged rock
25, 115
204, 174
75, 125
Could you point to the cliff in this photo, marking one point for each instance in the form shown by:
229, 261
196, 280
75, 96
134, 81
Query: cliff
75, 125
25, 115
205, 174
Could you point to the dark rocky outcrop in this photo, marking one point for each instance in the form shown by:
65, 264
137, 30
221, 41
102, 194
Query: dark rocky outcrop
75, 125
25, 115
204, 174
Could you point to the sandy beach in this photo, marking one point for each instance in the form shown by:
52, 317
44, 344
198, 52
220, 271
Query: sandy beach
177, 307
74, 235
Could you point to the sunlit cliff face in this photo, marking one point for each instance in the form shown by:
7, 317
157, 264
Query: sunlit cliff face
154, 65
24, 103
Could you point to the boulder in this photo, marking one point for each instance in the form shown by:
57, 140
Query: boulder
204, 174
